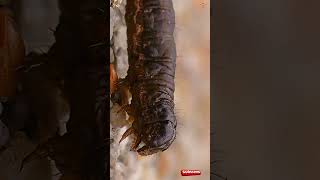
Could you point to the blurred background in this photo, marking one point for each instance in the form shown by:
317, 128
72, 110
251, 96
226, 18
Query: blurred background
36, 19
267, 90
192, 147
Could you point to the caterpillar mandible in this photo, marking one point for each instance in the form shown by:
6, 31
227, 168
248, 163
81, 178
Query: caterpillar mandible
152, 63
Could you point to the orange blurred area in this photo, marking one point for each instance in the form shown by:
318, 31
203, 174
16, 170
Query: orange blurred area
113, 78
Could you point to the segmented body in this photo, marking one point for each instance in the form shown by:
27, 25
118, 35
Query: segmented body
152, 62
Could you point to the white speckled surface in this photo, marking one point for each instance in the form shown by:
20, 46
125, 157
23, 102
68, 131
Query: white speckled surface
122, 161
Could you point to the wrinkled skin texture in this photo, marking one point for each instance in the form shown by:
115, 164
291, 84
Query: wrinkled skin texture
157, 129
152, 61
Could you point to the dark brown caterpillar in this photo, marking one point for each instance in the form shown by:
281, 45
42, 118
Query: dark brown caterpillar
152, 62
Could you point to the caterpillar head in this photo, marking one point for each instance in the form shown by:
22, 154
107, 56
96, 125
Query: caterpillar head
157, 135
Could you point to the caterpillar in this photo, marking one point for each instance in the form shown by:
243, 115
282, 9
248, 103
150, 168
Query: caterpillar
151, 73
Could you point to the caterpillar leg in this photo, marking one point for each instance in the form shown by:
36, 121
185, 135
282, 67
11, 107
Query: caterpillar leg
127, 108
131, 119
120, 94
136, 141
116, 3
126, 134
135, 144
